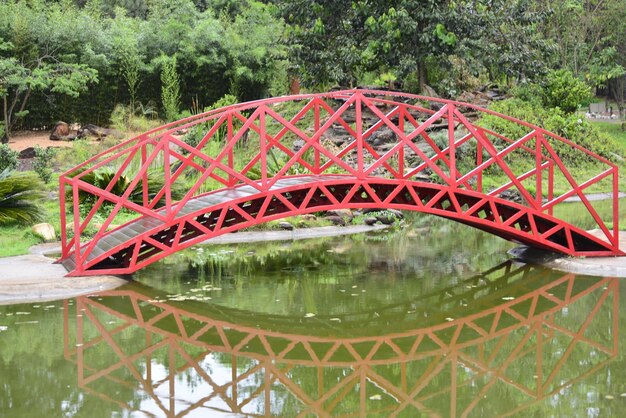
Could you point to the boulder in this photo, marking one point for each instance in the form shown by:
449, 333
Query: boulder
93, 130
429, 91
382, 136
45, 231
286, 226
27, 153
386, 218
298, 144
370, 210
345, 214
396, 213
370, 220
60, 131
308, 217
336, 220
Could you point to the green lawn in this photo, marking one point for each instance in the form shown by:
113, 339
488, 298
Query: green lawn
615, 130
15, 240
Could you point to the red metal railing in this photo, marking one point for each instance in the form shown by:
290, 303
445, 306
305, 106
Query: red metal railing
359, 117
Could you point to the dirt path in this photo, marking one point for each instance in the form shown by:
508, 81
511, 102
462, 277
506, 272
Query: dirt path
21, 140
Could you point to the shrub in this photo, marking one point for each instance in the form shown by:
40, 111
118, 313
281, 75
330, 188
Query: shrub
570, 126
565, 91
19, 195
102, 179
124, 119
170, 88
43, 162
197, 132
529, 92
8, 158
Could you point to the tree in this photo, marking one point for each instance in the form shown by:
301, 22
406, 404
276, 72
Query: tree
589, 34
500, 38
565, 91
19, 81
170, 88
254, 40
339, 41
407, 33
326, 40
33, 59
126, 52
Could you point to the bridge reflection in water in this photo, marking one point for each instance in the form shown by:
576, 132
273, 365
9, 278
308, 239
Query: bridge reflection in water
521, 342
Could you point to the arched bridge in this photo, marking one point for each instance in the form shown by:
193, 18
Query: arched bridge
250, 163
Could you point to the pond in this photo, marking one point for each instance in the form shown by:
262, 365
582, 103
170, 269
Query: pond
431, 319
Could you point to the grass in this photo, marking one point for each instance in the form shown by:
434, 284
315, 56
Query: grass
16, 240
615, 130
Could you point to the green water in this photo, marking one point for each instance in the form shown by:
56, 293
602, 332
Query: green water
429, 320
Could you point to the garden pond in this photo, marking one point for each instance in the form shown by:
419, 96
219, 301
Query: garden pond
432, 319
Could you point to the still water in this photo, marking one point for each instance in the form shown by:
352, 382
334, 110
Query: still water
429, 320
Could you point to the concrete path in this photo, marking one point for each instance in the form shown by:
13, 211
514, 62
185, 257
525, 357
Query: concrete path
35, 278
591, 266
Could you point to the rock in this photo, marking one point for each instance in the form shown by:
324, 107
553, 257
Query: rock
384, 147
298, 144
396, 213
60, 131
349, 116
386, 218
340, 140
27, 153
429, 91
345, 214
45, 231
337, 220
286, 226
383, 136
436, 105
512, 195
370, 220
98, 225
309, 217
422, 177
370, 210
96, 131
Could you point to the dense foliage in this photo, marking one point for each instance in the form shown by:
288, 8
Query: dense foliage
78, 60
568, 125
75, 61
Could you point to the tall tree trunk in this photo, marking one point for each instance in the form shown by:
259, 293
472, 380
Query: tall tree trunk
5, 118
422, 75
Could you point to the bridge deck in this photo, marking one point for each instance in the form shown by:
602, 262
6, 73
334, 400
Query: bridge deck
146, 224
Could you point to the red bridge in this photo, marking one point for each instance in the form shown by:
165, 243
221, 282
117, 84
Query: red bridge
317, 152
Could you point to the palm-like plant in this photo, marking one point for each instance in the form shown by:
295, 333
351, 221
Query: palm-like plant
103, 178
19, 197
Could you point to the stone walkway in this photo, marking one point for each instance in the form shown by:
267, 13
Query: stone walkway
35, 277
592, 266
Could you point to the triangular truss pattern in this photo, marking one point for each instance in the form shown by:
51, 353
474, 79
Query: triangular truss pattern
475, 355
355, 148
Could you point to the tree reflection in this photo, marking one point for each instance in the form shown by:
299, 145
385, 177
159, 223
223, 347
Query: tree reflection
523, 337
